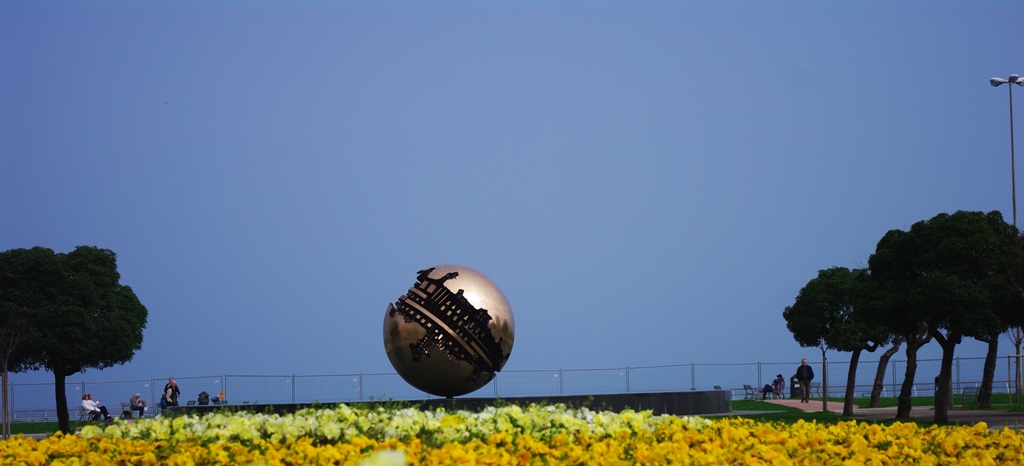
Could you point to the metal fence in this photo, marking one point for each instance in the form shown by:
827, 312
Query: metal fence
35, 401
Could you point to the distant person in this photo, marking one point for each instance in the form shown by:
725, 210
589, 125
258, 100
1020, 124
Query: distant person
138, 404
171, 393
779, 386
94, 409
765, 390
804, 375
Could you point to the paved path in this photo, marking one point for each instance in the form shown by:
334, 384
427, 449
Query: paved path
995, 419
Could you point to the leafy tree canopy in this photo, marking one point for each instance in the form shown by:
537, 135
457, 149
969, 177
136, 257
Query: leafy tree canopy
25, 277
831, 310
939, 272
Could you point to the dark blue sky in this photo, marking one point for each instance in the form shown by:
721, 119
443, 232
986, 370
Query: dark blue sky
649, 182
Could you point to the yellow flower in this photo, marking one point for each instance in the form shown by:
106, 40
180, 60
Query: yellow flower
510, 435
384, 458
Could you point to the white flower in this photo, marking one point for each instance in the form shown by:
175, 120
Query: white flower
89, 432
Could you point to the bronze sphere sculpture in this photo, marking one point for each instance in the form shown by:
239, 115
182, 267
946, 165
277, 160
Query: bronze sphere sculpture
451, 333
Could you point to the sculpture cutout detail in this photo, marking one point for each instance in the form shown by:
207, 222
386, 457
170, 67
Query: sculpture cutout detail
451, 333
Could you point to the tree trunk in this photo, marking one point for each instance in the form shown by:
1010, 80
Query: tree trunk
6, 406
883, 363
943, 392
824, 380
904, 402
1020, 382
989, 372
851, 381
1016, 335
914, 342
63, 421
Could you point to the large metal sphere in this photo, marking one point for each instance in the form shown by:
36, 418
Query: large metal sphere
451, 332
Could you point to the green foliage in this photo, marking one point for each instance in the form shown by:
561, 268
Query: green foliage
27, 277
939, 272
78, 314
92, 321
832, 310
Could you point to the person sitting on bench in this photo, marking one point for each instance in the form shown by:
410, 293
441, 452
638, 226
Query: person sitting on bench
94, 409
138, 404
766, 390
779, 385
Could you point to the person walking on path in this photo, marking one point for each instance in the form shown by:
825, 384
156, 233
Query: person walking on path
804, 375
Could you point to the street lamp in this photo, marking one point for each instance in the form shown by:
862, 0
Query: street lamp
996, 82
1016, 335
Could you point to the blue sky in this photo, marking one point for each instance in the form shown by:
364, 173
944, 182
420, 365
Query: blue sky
648, 182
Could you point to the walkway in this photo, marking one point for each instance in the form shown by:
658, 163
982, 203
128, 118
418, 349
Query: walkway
995, 419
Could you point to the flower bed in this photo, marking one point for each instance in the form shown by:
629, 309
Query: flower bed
510, 435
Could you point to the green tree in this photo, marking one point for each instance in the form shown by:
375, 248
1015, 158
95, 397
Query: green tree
81, 316
19, 280
1011, 278
831, 311
938, 276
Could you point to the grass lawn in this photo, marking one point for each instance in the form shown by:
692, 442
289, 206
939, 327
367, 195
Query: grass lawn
787, 415
46, 427
1000, 401
861, 402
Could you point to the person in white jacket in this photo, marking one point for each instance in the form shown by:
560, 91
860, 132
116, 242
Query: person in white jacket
94, 409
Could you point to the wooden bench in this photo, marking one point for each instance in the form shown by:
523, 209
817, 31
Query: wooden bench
749, 393
968, 391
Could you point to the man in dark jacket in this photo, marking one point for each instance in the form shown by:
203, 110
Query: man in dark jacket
804, 375
171, 393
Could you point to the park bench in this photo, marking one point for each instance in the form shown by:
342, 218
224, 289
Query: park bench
968, 392
749, 393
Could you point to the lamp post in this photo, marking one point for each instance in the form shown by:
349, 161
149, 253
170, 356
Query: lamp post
996, 82
1015, 335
